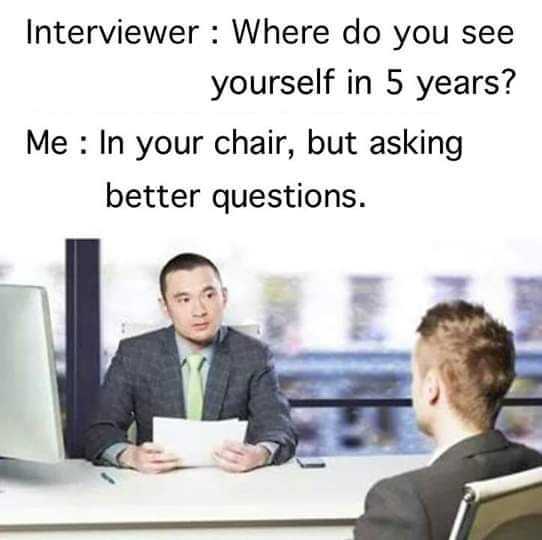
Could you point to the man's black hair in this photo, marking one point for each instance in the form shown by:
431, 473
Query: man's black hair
185, 261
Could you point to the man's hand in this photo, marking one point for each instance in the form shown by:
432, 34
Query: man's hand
236, 457
148, 458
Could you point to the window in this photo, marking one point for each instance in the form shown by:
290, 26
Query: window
367, 302
341, 336
449, 288
528, 310
281, 312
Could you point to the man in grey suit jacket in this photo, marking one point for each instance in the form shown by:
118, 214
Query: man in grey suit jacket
153, 375
462, 367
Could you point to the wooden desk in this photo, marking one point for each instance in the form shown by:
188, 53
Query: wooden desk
289, 503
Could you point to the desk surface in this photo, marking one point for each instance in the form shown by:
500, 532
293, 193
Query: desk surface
74, 492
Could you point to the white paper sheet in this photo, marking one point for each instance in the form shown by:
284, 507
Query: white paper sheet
194, 441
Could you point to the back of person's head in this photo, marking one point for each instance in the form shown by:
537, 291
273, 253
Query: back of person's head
185, 261
474, 355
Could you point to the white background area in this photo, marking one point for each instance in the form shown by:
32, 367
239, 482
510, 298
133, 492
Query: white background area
479, 216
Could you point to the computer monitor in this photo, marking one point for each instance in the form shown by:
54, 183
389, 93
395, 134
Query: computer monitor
30, 425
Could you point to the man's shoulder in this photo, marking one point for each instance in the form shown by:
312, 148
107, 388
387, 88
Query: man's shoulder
394, 509
440, 486
531, 458
423, 486
426, 499
236, 339
432, 494
450, 475
147, 342
403, 483
485, 456
248, 351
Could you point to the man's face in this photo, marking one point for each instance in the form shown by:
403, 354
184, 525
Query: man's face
195, 302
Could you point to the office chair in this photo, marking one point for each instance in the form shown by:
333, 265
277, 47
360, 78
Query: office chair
509, 507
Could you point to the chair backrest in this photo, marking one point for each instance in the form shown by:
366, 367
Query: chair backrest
501, 508
134, 329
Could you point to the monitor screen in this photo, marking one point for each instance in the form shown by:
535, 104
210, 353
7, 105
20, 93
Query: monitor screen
30, 424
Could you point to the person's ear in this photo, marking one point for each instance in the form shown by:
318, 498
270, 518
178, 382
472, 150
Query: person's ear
431, 387
225, 295
163, 307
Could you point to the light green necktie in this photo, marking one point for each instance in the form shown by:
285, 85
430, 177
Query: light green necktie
194, 398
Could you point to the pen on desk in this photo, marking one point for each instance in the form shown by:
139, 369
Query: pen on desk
107, 478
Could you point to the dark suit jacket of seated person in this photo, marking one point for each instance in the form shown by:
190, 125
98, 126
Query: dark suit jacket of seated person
147, 376
462, 367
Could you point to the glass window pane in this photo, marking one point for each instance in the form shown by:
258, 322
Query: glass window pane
528, 310
447, 288
345, 375
367, 309
523, 425
350, 431
391, 430
373, 375
337, 331
282, 297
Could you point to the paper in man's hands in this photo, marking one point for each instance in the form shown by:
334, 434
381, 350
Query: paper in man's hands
193, 441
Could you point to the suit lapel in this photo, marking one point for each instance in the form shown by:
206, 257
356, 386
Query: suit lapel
217, 381
171, 373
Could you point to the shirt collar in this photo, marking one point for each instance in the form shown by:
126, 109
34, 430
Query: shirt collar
184, 349
471, 445
438, 452
441, 450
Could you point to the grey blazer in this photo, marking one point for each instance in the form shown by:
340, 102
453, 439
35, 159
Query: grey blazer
145, 380
422, 504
